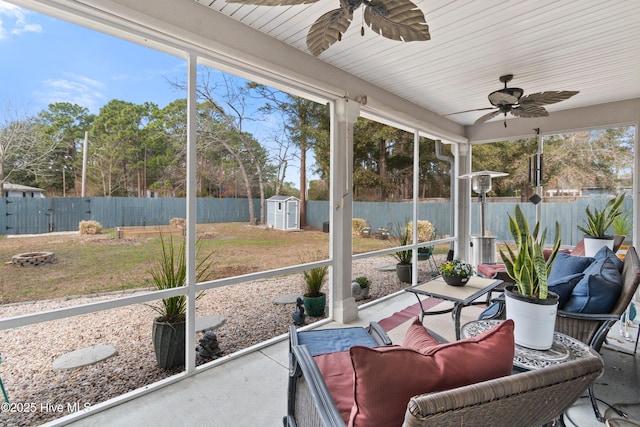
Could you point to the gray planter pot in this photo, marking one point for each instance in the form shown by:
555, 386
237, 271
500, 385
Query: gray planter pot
357, 292
404, 272
168, 343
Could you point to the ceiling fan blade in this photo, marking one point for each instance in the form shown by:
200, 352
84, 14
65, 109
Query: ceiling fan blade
327, 29
272, 2
468, 111
545, 98
397, 20
502, 98
529, 111
487, 116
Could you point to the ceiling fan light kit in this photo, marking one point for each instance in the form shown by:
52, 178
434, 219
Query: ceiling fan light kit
511, 100
399, 20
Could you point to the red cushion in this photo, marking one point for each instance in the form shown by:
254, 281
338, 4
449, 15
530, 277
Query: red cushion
418, 338
337, 372
490, 270
385, 378
579, 249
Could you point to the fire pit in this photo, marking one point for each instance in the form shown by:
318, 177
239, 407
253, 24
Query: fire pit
32, 259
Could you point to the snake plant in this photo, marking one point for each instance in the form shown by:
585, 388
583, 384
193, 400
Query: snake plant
527, 265
599, 221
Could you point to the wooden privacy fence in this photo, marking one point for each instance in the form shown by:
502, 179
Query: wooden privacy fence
36, 216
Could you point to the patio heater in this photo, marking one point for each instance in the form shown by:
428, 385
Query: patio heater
483, 247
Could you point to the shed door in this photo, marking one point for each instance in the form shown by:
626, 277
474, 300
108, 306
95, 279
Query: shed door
292, 215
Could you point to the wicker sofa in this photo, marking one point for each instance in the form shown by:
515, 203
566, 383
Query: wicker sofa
524, 399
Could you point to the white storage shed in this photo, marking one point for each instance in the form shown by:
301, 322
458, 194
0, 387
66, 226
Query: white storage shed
283, 212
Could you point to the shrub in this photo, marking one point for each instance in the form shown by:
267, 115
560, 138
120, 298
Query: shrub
178, 222
425, 231
357, 224
90, 227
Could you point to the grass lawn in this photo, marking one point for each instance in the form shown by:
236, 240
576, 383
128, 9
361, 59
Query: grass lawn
87, 264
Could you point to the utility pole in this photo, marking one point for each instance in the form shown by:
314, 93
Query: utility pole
84, 163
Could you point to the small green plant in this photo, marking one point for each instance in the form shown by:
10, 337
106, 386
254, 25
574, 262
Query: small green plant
622, 225
363, 282
456, 268
314, 278
426, 252
598, 221
526, 265
170, 271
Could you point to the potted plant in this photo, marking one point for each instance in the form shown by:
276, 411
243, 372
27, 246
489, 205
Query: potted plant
424, 253
383, 233
315, 300
529, 303
366, 231
456, 272
598, 222
360, 288
404, 257
170, 271
622, 225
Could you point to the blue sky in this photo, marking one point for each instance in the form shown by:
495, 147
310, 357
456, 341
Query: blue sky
46, 60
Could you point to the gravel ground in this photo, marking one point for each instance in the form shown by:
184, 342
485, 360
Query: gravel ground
38, 394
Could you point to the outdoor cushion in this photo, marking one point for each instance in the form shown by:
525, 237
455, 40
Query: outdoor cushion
598, 290
322, 341
563, 286
337, 372
385, 378
605, 252
566, 265
418, 338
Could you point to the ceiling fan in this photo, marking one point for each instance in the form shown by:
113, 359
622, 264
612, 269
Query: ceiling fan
510, 100
394, 19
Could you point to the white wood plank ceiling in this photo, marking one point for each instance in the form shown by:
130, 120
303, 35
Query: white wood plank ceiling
592, 46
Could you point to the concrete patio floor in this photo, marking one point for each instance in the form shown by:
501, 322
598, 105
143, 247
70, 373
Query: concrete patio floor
252, 389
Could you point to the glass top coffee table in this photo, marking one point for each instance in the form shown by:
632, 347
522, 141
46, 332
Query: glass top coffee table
461, 296
563, 349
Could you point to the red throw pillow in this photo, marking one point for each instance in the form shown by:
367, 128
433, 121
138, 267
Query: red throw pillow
337, 372
418, 338
385, 378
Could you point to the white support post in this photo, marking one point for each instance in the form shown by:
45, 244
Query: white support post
416, 193
463, 198
344, 114
190, 355
636, 192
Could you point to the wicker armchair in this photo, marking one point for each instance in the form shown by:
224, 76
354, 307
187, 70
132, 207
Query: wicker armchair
592, 329
524, 399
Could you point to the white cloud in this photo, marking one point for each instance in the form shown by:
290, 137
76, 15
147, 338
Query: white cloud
16, 24
75, 89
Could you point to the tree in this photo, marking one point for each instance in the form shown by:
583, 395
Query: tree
511, 157
23, 148
385, 151
65, 124
306, 124
119, 146
226, 105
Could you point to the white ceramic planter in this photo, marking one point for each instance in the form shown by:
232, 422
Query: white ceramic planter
593, 244
534, 322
